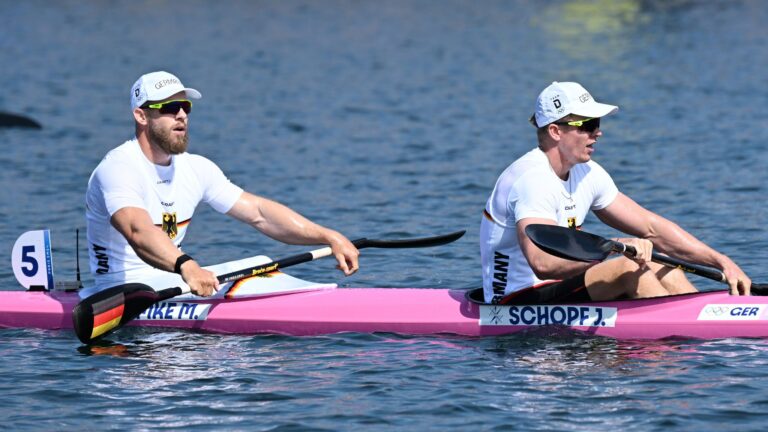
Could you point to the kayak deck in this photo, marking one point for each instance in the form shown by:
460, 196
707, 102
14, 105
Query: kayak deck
418, 311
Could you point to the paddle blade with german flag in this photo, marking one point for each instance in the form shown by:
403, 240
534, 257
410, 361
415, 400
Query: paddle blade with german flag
110, 309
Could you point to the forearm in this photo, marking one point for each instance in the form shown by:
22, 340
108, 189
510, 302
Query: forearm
156, 249
672, 240
285, 225
150, 243
546, 266
627, 216
280, 222
667, 237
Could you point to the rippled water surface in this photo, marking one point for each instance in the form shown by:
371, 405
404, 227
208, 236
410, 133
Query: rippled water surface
387, 119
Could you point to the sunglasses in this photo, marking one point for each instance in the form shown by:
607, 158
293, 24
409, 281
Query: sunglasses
588, 125
172, 107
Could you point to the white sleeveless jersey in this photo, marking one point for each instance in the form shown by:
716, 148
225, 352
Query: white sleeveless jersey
170, 194
529, 188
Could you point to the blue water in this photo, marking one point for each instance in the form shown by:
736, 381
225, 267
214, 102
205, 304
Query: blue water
386, 119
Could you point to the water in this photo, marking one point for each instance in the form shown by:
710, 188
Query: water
386, 119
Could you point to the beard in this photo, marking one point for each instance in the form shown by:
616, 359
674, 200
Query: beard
167, 142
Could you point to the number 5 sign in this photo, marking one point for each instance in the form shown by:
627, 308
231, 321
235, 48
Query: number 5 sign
31, 259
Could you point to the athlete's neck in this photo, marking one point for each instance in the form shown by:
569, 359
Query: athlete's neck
559, 166
153, 152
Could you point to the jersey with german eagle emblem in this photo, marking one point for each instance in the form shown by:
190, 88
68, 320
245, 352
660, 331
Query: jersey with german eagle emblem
170, 194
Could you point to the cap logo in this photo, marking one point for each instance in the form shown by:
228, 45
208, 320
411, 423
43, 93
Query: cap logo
557, 103
136, 91
162, 83
585, 98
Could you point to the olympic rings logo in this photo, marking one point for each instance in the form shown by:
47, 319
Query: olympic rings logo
717, 310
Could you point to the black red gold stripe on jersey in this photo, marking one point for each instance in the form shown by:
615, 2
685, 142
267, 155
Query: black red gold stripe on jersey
571, 220
488, 216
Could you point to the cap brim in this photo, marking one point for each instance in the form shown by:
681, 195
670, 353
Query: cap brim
192, 93
596, 109
189, 92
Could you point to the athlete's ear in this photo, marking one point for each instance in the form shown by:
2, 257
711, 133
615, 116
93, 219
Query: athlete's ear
140, 116
554, 131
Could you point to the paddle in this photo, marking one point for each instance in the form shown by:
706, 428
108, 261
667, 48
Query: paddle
15, 120
578, 245
112, 308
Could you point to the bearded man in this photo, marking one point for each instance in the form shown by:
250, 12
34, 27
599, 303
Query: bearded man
142, 195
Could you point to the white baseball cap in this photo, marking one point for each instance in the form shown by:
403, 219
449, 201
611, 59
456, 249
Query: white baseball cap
560, 99
156, 86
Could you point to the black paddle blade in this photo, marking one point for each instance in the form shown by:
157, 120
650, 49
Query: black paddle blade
410, 243
9, 120
569, 243
110, 309
759, 289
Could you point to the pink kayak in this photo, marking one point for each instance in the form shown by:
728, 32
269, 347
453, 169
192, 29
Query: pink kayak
414, 311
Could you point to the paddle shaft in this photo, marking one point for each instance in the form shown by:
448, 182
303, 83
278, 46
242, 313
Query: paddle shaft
685, 266
269, 267
284, 262
317, 254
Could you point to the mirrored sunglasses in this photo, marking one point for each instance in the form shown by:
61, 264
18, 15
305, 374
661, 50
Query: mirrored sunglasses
172, 106
588, 125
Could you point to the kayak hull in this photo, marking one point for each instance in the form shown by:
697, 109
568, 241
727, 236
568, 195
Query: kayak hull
418, 311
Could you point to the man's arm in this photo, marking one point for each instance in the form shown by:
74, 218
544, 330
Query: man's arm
283, 224
627, 216
543, 264
155, 248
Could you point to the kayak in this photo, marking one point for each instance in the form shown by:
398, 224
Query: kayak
282, 304
256, 297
